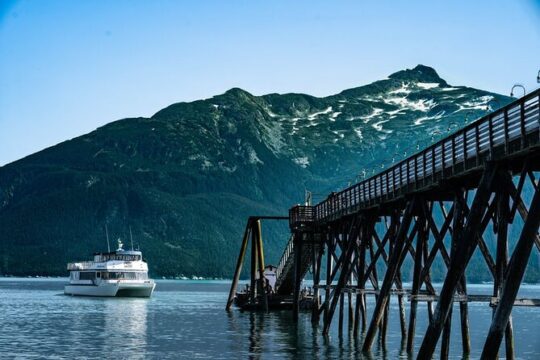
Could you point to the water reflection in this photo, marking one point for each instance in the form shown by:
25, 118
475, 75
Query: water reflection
125, 322
110, 327
188, 321
256, 329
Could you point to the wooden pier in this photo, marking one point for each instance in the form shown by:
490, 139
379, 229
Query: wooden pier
439, 203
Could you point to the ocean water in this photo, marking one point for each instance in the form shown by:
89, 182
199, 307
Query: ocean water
186, 319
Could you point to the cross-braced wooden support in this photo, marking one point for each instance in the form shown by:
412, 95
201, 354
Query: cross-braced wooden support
393, 266
346, 267
447, 197
512, 281
357, 247
258, 291
458, 263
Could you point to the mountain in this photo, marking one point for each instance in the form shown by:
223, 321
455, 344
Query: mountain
186, 178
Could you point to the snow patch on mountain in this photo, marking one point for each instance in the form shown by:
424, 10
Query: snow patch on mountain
253, 158
421, 120
358, 132
302, 161
423, 105
270, 113
476, 104
334, 115
378, 126
450, 88
427, 86
376, 112
312, 117
404, 89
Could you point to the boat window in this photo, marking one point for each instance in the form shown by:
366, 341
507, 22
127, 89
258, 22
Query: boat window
121, 257
125, 275
98, 274
87, 275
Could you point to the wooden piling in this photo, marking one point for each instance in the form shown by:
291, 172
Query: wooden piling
512, 280
445, 344
416, 280
459, 262
501, 263
253, 270
340, 324
394, 226
329, 270
457, 225
238, 268
317, 257
393, 265
464, 321
427, 270
260, 261
402, 315
350, 307
360, 297
357, 302
384, 324
346, 267
298, 241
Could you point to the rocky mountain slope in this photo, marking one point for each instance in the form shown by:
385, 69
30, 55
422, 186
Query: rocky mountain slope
186, 179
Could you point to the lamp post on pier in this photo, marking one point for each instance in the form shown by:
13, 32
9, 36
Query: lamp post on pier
518, 86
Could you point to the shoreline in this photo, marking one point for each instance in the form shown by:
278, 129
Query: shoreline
64, 278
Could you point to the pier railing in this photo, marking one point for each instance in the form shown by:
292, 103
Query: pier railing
301, 215
286, 259
509, 130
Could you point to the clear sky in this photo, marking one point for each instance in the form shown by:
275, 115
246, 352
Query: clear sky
67, 67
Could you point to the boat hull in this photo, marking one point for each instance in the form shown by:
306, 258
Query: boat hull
113, 289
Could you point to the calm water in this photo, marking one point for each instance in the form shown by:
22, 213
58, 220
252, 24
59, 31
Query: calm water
186, 319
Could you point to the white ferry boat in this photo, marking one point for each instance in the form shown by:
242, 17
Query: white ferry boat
117, 273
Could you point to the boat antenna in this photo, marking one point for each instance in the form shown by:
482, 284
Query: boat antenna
107, 234
131, 237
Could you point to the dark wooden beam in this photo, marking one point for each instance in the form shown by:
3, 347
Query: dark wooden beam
260, 262
513, 278
345, 272
238, 268
502, 258
416, 280
390, 274
459, 262
298, 237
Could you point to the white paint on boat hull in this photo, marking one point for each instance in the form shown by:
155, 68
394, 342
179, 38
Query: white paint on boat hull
118, 289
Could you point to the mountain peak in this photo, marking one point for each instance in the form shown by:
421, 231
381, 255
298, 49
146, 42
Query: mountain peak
237, 92
420, 73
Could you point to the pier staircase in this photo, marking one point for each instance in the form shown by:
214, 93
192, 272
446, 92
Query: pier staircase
286, 267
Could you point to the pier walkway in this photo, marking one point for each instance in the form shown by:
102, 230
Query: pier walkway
444, 202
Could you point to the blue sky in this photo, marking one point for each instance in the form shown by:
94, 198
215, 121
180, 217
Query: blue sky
67, 67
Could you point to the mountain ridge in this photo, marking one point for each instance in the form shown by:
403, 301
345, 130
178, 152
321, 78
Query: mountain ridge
186, 178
